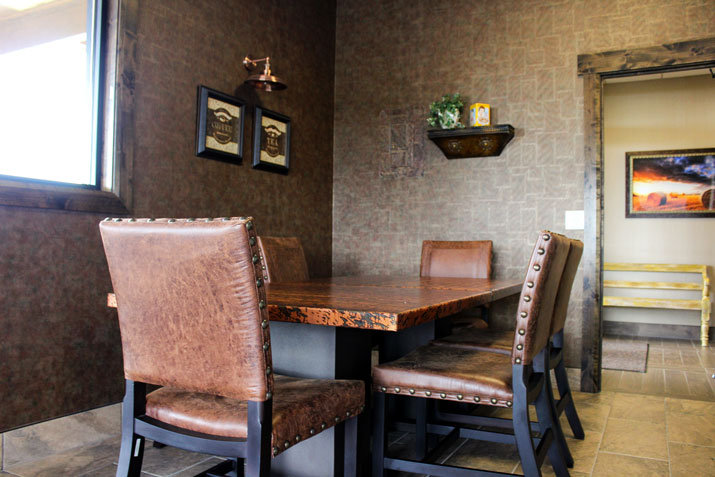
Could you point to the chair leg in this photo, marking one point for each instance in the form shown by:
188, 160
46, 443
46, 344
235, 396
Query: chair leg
258, 458
562, 382
546, 415
131, 451
131, 454
350, 430
554, 419
378, 435
524, 444
421, 429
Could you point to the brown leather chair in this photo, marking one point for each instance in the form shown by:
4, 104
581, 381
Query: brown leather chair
501, 342
461, 259
193, 319
466, 375
283, 259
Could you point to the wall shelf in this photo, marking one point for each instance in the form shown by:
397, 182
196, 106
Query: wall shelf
481, 141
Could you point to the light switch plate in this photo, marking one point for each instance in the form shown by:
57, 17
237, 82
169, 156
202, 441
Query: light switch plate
573, 220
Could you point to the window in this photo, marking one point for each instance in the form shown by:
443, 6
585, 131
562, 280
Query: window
51, 105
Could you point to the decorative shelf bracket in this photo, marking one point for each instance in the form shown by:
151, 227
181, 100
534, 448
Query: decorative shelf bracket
481, 141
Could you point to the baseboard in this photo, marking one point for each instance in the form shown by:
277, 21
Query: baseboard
654, 330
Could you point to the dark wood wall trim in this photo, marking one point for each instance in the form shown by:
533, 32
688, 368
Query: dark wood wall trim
593, 226
687, 53
594, 68
117, 131
124, 133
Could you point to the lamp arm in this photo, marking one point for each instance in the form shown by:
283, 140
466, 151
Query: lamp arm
252, 63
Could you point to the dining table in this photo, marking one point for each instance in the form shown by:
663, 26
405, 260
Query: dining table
328, 328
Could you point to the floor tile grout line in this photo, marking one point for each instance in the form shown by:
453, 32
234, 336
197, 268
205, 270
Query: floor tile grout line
398, 439
454, 451
667, 440
635, 456
193, 465
603, 433
691, 444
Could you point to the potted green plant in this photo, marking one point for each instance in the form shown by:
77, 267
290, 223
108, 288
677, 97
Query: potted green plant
447, 112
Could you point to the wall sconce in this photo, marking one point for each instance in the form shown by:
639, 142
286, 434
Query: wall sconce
264, 81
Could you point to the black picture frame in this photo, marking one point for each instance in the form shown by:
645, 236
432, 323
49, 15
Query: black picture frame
219, 126
670, 184
271, 141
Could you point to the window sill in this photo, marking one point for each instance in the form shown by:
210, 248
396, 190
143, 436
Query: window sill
58, 197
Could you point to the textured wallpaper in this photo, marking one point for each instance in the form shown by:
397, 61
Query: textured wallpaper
393, 189
60, 350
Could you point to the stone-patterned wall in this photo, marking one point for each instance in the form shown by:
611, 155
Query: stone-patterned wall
60, 350
519, 56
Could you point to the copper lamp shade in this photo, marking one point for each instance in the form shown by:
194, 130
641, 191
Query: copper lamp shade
264, 81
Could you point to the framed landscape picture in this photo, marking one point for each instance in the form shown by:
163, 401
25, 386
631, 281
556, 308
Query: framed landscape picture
219, 126
678, 183
271, 141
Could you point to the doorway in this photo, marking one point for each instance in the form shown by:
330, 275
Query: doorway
595, 68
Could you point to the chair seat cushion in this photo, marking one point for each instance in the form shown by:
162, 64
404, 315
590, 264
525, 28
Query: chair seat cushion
482, 340
449, 373
301, 408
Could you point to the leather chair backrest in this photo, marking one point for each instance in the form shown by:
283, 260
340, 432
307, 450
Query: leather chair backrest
192, 313
538, 295
460, 259
564, 294
284, 259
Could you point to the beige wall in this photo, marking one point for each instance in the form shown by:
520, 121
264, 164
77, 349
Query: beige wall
648, 115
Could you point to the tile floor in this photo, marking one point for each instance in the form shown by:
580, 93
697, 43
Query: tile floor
657, 423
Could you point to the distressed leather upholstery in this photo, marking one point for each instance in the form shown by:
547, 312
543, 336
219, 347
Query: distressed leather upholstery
301, 408
192, 283
453, 370
501, 341
481, 340
459, 374
460, 259
283, 259
193, 318
538, 296
564, 294
464, 373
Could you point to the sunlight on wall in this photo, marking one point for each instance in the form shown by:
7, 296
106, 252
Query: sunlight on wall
45, 112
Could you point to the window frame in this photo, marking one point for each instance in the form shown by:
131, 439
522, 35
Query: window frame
113, 45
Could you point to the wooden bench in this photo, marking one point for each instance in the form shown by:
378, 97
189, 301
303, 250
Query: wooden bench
702, 305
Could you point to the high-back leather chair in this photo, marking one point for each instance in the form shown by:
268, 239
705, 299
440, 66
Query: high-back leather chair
459, 259
467, 375
283, 259
501, 342
193, 319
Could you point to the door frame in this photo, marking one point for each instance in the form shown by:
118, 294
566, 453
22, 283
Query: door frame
595, 68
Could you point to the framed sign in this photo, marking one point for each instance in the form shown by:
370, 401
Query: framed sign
219, 126
271, 141
678, 183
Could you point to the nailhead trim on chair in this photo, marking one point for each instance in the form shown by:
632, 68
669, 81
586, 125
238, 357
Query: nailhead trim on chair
526, 300
318, 429
262, 308
429, 393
